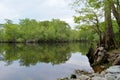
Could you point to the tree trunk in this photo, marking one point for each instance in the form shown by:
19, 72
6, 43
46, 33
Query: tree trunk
99, 33
109, 41
116, 14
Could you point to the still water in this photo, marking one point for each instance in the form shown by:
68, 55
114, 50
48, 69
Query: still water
42, 61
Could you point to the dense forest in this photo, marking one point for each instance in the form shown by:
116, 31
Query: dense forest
30, 30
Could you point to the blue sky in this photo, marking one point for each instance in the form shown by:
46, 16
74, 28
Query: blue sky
36, 9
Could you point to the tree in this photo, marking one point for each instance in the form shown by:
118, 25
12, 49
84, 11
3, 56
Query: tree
61, 29
106, 6
28, 29
91, 17
116, 11
109, 40
11, 31
2, 35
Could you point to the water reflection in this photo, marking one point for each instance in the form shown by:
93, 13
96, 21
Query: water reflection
41, 61
32, 54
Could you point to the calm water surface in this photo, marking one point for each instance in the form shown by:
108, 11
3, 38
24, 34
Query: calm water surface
41, 62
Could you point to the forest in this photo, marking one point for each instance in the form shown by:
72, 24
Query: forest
30, 30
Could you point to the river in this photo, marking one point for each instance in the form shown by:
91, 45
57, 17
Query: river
42, 61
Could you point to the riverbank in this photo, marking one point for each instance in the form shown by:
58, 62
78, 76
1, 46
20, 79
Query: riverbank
105, 64
111, 73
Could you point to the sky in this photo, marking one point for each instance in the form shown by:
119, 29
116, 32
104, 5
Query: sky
36, 9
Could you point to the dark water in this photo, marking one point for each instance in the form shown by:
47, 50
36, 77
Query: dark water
41, 62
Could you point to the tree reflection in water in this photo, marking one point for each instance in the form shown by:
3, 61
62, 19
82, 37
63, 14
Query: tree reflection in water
31, 54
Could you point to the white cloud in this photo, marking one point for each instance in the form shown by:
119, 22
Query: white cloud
57, 3
5, 12
36, 9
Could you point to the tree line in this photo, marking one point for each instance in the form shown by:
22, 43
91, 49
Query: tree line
30, 30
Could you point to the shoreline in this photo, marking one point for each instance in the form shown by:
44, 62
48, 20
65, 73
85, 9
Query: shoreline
109, 61
111, 73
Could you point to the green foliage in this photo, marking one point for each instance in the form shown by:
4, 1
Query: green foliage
86, 33
95, 3
89, 20
11, 31
2, 35
92, 14
30, 30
